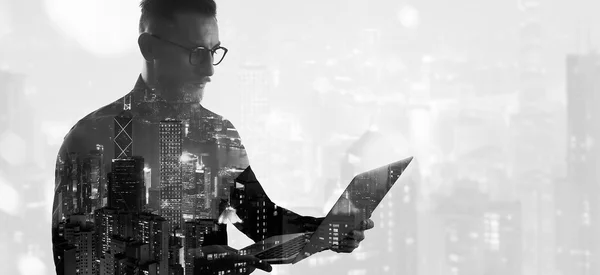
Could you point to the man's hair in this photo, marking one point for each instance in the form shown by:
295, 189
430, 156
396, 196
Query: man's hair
156, 10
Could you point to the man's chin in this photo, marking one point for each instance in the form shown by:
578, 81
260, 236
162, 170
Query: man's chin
195, 93
186, 93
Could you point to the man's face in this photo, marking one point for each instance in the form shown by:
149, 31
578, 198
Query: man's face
175, 75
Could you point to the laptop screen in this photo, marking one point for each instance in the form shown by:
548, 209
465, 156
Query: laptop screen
357, 203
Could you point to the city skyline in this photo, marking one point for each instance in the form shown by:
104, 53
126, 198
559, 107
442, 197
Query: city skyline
447, 87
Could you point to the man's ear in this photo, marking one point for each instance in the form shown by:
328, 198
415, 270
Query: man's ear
146, 44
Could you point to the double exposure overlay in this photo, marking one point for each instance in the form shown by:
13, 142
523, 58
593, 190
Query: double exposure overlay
145, 186
496, 100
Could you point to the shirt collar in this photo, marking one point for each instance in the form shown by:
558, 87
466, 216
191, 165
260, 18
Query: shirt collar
145, 101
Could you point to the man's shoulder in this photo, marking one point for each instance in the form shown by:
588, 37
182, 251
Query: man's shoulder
94, 121
209, 113
108, 111
227, 129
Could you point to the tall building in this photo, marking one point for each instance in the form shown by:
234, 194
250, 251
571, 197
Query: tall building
17, 123
462, 219
60, 184
481, 236
114, 260
135, 259
201, 188
147, 184
175, 253
126, 184
66, 260
171, 189
94, 177
226, 181
80, 233
154, 230
402, 221
103, 187
115, 229
72, 191
189, 164
535, 150
577, 204
153, 199
502, 236
204, 172
110, 222
198, 233
195, 233
123, 141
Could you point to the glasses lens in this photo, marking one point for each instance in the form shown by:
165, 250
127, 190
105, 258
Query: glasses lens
218, 55
197, 56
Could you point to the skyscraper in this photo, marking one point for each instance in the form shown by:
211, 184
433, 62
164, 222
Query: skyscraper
188, 180
462, 219
154, 230
195, 233
534, 149
147, 184
402, 221
123, 142
171, 189
93, 176
110, 222
577, 204
503, 238
80, 233
116, 229
72, 194
126, 184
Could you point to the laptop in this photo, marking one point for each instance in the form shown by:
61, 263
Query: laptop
357, 203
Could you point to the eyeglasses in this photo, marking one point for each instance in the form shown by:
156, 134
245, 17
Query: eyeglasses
198, 54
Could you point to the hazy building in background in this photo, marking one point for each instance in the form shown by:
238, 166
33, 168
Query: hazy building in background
577, 203
535, 150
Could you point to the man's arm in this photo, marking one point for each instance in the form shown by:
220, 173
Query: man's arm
261, 217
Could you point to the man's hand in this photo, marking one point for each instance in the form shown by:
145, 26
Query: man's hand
252, 263
229, 262
353, 239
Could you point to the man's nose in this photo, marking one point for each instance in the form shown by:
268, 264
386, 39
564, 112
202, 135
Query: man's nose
206, 67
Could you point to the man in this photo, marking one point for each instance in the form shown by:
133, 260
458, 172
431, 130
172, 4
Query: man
160, 136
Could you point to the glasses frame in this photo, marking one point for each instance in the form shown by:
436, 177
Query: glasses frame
196, 49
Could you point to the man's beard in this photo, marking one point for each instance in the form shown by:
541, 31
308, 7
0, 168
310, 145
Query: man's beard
180, 92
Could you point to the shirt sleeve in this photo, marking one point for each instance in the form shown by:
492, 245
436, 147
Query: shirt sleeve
260, 217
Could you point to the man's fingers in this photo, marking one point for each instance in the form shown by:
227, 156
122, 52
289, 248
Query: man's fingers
367, 224
262, 265
250, 269
349, 243
357, 235
252, 262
